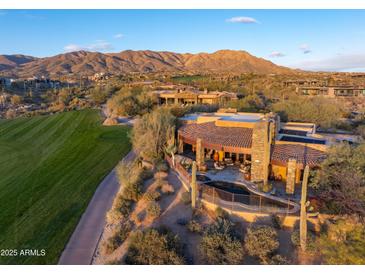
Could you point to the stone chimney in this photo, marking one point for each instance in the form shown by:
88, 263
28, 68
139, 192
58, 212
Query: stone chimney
291, 176
260, 157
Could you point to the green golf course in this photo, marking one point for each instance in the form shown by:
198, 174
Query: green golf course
50, 166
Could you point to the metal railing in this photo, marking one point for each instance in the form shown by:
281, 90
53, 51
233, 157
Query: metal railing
245, 202
233, 201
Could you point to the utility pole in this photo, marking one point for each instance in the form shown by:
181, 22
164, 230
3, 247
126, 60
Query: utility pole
303, 210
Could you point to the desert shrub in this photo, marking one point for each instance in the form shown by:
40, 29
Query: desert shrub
194, 226
219, 244
167, 188
132, 191
99, 94
153, 210
146, 174
360, 130
311, 240
261, 241
250, 103
113, 216
112, 262
124, 206
10, 114
111, 244
121, 208
186, 198
152, 247
344, 242
152, 196
129, 176
276, 221
162, 166
278, 260
120, 233
159, 183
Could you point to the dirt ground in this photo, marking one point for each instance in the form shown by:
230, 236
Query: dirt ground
173, 209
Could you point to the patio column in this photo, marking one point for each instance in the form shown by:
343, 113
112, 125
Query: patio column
291, 176
199, 153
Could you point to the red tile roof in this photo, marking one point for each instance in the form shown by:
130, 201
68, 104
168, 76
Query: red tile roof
234, 139
281, 153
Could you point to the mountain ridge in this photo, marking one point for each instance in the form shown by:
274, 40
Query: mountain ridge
88, 63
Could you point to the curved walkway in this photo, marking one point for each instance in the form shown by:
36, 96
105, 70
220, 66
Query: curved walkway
84, 240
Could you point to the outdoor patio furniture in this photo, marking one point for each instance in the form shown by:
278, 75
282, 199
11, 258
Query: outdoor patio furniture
218, 166
228, 161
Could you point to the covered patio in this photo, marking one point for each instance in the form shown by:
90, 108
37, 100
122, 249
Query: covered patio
217, 148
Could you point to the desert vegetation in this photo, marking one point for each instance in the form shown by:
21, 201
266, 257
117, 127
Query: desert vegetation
153, 247
130, 102
220, 244
152, 132
314, 110
340, 181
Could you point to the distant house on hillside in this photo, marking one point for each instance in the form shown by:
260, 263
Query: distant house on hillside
193, 96
332, 91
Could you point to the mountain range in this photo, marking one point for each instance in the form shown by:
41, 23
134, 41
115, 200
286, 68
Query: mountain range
88, 63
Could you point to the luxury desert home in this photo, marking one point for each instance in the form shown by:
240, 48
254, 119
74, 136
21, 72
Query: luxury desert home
193, 96
259, 144
332, 91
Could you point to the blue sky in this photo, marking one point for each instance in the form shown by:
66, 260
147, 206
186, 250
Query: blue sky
307, 39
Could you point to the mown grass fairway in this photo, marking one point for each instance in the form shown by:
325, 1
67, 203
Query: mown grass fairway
50, 167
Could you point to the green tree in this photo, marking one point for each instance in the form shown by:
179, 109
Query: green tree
315, 110
340, 181
152, 132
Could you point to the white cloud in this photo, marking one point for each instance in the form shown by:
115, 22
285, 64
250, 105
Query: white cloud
118, 36
345, 62
305, 48
276, 54
73, 47
99, 45
243, 20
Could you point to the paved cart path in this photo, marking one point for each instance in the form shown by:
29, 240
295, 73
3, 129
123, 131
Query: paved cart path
84, 240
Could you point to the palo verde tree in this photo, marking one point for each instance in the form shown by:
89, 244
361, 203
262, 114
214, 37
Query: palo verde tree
340, 181
152, 132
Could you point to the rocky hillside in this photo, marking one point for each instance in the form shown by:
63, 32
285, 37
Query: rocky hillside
88, 63
8, 62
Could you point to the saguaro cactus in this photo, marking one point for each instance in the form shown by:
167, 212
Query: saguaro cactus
303, 210
193, 186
